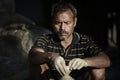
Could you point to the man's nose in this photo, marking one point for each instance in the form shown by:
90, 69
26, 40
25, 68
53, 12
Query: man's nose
62, 26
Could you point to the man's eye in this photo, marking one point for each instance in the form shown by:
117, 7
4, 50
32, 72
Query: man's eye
67, 22
57, 22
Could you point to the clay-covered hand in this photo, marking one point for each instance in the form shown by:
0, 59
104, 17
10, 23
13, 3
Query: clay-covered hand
60, 66
67, 77
77, 63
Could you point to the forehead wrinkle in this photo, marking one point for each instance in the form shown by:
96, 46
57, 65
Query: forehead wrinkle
64, 16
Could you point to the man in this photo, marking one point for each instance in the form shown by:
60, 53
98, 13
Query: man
67, 52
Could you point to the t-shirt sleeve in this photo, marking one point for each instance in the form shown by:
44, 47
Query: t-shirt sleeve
41, 42
92, 47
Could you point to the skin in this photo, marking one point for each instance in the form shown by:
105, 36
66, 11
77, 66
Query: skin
64, 24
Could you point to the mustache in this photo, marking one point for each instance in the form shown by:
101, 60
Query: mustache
62, 32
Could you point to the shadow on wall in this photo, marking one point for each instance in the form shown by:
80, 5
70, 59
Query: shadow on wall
112, 72
13, 59
15, 42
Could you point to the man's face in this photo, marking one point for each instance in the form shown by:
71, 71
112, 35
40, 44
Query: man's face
64, 24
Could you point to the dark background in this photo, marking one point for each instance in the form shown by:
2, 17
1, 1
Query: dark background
92, 15
95, 17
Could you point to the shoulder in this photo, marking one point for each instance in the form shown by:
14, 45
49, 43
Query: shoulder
44, 38
83, 37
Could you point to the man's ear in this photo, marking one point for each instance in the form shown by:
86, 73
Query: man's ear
75, 21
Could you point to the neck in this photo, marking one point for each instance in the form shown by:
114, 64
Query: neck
67, 42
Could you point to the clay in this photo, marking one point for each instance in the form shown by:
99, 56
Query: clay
67, 77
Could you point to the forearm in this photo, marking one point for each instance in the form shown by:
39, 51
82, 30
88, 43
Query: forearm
100, 61
37, 57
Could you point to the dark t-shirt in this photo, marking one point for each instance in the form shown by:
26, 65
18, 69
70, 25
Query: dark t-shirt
82, 46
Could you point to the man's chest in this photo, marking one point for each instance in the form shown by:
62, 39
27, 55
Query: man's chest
72, 51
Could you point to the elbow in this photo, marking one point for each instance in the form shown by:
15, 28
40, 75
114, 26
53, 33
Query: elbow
36, 57
31, 57
108, 62
105, 60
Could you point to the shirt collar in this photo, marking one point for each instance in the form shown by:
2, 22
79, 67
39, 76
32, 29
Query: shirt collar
76, 38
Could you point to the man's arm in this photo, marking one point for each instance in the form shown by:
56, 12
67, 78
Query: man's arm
99, 61
39, 56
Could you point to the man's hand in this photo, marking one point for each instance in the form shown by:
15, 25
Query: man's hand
77, 63
60, 66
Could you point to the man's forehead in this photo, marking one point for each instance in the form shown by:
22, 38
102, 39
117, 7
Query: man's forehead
67, 13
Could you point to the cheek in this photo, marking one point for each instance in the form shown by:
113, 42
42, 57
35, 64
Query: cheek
56, 28
70, 28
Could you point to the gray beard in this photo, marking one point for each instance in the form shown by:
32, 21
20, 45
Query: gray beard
61, 39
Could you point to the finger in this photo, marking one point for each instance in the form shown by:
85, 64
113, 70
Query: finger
81, 65
61, 65
66, 69
74, 64
58, 69
63, 68
70, 64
